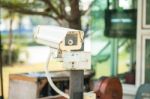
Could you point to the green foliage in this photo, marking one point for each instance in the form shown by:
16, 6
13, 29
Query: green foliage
17, 3
97, 18
14, 56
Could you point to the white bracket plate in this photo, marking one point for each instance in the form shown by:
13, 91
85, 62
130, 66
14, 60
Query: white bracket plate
78, 60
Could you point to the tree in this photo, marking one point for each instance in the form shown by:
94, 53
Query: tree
60, 10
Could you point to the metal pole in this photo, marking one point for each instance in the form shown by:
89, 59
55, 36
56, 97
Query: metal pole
114, 57
1, 73
76, 84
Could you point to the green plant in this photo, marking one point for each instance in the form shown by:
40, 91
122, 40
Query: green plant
5, 56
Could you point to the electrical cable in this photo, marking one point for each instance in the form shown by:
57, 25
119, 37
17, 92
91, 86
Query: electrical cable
48, 75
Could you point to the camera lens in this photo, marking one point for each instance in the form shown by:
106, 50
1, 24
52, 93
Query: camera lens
70, 42
71, 39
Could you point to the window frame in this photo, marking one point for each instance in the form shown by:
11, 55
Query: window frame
143, 33
145, 37
144, 25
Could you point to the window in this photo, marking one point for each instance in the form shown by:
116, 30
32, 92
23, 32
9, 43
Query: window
147, 12
117, 58
113, 55
127, 61
145, 58
147, 61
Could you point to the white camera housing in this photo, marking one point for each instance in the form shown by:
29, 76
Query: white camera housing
67, 40
59, 37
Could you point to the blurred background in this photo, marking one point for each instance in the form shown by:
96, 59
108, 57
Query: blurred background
109, 26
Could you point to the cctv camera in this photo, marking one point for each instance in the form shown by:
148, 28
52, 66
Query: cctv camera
59, 37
